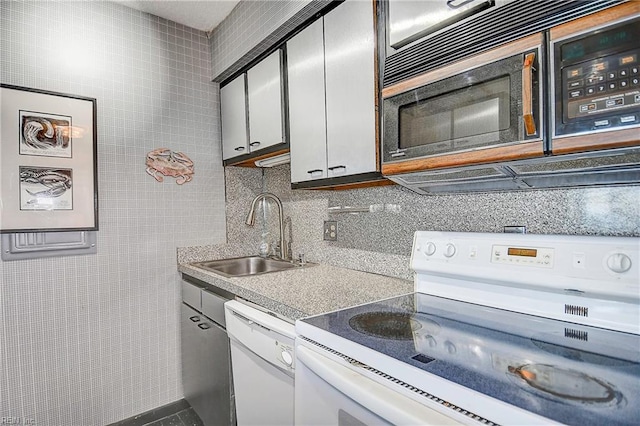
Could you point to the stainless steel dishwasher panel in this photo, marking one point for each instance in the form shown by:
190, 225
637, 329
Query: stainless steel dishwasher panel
213, 307
206, 362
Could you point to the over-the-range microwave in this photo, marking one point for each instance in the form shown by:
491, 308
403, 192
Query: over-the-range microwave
499, 120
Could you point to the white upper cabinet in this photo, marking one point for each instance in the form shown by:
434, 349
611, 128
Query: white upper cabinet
265, 93
234, 119
252, 109
331, 78
307, 120
351, 98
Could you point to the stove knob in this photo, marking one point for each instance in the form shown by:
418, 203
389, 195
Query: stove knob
619, 263
450, 347
287, 358
431, 341
430, 249
449, 250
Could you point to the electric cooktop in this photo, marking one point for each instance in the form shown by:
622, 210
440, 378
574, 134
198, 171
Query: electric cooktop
546, 366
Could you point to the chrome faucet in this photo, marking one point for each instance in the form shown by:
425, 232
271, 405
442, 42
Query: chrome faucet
251, 219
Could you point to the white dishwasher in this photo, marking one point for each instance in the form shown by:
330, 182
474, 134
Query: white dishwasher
262, 362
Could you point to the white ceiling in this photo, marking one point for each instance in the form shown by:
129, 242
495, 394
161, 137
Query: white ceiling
203, 15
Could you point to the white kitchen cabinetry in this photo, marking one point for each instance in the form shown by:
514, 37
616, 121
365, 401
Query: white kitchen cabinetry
265, 89
252, 109
331, 78
307, 113
233, 108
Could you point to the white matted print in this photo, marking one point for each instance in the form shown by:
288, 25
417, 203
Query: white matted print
44, 134
42, 186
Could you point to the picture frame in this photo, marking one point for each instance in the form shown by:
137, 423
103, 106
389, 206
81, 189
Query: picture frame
48, 161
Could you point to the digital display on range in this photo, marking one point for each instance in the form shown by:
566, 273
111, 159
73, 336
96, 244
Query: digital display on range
512, 251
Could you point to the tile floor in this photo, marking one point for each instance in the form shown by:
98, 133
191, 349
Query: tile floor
186, 417
178, 413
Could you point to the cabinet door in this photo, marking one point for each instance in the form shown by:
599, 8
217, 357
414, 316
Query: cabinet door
307, 124
412, 20
350, 89
233, 109
264, 87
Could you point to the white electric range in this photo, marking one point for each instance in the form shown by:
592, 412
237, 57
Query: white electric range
502, 329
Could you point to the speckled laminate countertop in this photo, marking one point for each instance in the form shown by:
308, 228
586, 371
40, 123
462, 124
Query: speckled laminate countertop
298, 293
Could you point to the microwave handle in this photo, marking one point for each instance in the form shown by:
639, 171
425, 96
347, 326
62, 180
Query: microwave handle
527, 94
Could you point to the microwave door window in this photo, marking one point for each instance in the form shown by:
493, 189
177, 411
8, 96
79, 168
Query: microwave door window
462, 119
485, 113
481, 118
421, 125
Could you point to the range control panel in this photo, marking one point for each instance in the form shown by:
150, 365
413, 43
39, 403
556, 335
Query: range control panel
608, 265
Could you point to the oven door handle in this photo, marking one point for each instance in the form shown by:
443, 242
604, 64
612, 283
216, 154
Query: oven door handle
378, 399
527, 94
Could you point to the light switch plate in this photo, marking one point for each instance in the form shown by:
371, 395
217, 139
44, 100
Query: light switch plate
330, 230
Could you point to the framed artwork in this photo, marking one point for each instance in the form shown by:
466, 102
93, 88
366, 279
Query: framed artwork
48, 172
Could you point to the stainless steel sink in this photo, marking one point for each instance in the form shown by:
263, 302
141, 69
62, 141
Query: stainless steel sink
244, 266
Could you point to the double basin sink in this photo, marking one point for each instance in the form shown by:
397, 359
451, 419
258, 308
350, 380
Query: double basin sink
250, 265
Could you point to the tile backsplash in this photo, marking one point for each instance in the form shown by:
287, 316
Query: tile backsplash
90, 340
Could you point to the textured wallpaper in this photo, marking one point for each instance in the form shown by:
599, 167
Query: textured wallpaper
252, 28
90, 340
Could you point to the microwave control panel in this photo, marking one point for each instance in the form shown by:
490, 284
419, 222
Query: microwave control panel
602, 86
597, 80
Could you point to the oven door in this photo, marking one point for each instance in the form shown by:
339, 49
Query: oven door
331, 393
466, 108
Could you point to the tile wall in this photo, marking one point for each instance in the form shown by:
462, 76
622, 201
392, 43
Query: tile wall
90, 340
252, 28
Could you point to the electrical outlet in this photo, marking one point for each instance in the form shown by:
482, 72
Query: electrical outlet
330, 230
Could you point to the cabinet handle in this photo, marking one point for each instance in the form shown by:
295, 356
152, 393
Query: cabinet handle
239, 148
527, 94
195, 318
254, 143
337, 167
204, 326
314, 171
452, 3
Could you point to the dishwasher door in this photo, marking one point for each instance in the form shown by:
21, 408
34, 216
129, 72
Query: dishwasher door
262, 364
205, 368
